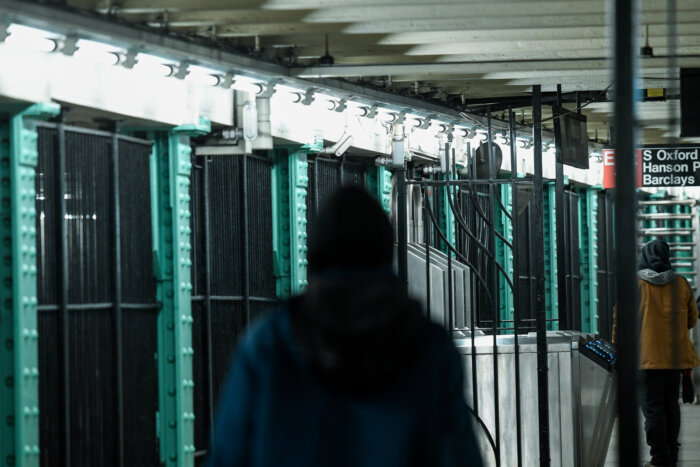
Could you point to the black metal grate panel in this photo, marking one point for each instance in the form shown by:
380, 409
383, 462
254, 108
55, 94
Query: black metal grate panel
523, 250
605, 264
262, 283
138, 280
327, 175
87, 366
92, 383
197, 209
47, 221
88, 218
225, 223
200, 372
232, 256
50, 397
140, 330
572, 263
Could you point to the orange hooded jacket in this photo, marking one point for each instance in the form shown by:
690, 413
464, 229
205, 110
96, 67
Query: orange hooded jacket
667, 311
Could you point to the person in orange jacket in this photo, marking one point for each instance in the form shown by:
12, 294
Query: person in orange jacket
667, 311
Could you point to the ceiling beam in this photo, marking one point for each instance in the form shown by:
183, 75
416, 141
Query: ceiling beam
526, 47
427, 24
379, 11
433, 70
139, 6
440, 36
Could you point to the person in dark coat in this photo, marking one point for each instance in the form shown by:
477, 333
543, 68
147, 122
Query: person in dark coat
350, 373
667, 311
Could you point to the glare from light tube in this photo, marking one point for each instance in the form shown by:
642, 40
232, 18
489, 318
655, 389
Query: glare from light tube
357, 109
322, 102
388, 117
202, 75
24, 37
152, 65
97, 52
247, 84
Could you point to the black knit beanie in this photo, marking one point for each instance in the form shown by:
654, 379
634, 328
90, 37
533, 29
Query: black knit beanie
350, 234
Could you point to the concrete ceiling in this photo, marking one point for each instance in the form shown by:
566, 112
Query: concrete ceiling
461, 53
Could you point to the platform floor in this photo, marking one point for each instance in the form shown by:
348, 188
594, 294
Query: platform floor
689, 439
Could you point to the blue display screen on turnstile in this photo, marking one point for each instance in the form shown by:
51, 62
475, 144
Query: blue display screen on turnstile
599, 350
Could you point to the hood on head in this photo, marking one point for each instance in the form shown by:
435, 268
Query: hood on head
655, 256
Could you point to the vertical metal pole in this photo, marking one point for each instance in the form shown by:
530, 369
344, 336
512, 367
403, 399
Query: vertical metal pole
494, 303
207, 293
290, 183
538, 253
19, 357
246, 262
63, 291
316, 190
472, 311
448, 176
402, 224
172, 163
426, 239
578, 102
117, 299
516, 277
564, 312
625, 227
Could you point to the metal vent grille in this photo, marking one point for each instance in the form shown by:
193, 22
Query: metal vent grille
327, 175
99, 381
605, 264
233, 277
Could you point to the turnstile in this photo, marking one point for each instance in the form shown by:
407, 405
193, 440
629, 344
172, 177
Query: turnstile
581, 385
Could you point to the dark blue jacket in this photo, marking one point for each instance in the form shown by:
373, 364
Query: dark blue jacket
274, 411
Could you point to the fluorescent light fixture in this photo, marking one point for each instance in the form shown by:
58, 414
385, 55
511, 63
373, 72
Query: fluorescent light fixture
357, 108
97, 52
202, 75
247, 84
37, 40
388, 117
323, 101
288, 93
152, 65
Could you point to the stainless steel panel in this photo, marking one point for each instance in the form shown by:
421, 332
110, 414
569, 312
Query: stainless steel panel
439, 291
581, 399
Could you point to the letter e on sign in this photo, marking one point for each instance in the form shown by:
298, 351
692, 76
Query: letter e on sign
608, 168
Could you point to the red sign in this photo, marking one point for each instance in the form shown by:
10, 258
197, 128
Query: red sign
609, 168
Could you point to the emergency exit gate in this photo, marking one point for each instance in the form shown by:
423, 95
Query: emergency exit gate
504, 228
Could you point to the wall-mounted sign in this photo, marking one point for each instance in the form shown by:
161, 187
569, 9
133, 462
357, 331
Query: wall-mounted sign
659, 166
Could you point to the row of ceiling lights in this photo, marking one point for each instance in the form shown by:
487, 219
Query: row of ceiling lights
37, 40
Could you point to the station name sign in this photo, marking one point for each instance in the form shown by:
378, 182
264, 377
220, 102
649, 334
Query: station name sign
659, 166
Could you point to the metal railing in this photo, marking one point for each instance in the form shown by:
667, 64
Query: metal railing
502, 269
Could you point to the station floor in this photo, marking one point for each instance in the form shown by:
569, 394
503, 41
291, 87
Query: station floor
689, 439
